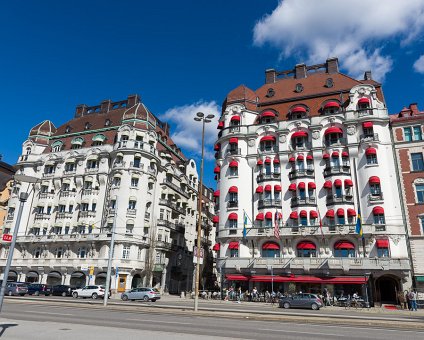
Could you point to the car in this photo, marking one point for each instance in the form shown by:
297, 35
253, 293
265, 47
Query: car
62, 290
93, 291
39, 289
16, 288
141, 293
301, 301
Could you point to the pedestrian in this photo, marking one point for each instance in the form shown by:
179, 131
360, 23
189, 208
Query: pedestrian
401, 299
254, 294
239, 295
408, 301
413, 299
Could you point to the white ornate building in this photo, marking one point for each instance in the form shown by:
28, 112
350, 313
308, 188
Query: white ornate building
114, 160
311, 146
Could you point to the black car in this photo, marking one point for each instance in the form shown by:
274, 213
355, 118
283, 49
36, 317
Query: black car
62, 290
39, 289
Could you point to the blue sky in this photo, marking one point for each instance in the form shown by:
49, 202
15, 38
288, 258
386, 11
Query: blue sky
185, 56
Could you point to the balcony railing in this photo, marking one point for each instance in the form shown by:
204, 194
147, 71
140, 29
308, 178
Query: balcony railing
267, 177
269, 203
332, 199
119, 165
299, 173
43, 195
337, 170
176, 188
62, 215
375, 197
369, 137
232, 204
42, 216
304, 146
48, 174
172, 205
67, 193
87, 192
364, 112
92, 170
179, 227
272, 149
9, 217
131, 212
340, 141
85, 214
301, 201
234, 151
163, 245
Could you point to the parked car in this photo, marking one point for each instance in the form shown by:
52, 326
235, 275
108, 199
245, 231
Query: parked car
62, 290
301, 301
16, 288
146, 294
38, 288
93, 291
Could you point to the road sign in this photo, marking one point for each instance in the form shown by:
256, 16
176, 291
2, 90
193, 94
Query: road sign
195, 255
84, 267
7, 237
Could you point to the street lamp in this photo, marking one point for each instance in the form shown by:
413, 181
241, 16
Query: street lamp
200, 117
23, 196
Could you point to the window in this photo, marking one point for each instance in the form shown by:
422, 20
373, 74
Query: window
69, 167
268, 169
233, 223
332, 138
338, 192
417, 132
82, 253
126, 252
136, 162
298, 142
407, 134
112, 204
344, 252
420, 193
131, 204
233, 171
335, 162
268, 223
302, 194
383, 252
234, 253
49, 210
375, 189
134, 182
36, 231
58, 253
49, 169
422, 223
372, 159
37, 253
276, 168
84, 206
44, 189
417, 161
306, 253
379, 219
88, 185
341, 220
93, 164
81, 229
62, 208
233, 197
93, 207
129, 229
270, 252
304, 221
267, 146
116, 182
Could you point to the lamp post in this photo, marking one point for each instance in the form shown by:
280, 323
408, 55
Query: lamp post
110, 258
200, 117
22, 199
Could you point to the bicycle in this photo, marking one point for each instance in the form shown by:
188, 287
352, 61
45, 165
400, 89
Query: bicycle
354, 304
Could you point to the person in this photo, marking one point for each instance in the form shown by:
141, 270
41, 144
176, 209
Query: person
254, 294
405, 300
239, 295
408, 300
413, 298
355, 296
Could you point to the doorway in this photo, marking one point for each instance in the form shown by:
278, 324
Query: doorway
122, 283
387, 288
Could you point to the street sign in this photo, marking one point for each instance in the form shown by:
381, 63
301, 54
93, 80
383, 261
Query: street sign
84, 267
195, 255
7, 237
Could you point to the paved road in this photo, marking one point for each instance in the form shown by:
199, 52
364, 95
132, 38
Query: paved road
49, 321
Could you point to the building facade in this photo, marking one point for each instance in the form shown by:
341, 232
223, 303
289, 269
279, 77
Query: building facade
113, 168
6, 173
407, 129
297, 160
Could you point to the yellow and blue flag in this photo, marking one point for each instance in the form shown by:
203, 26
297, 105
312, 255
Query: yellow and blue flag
359, 223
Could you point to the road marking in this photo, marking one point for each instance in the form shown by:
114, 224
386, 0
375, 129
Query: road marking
297, 332
170, 322
47, 313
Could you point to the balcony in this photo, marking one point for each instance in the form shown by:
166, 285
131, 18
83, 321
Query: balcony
44, 195
67, 193
178, 227
269, 203
9, 217
267, 150
42, 216
117, 165
338, 142
301, 147
69, 172
88, 192
176, 188
233, 151
364, 112
48, 174
337, 170
92, 170
232, 204
346, 199
131, 212
163, 245
375, 197
300, 173
63, 215
373, 137
268, 177
172, 205
302, 201
136, 145
86, 214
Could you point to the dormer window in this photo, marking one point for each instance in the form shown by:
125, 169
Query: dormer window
331, 107
87, 126
329, 82
99, 139
77, 143
235, 123
299, 88
68, 129
364, 106
107, 122
57, 146
267, 117
297, 112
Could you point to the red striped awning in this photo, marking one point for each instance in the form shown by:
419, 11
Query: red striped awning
374, 180
259, 162
303, 213
308, 279
340, 212
351, 212
309, 157
217, 170
326, 156
233, 140
216, 193
277, 188
330, 213
382, 243
233, 216
299, 134
328, 184
276, 161
335, 154
378, 210
235, 118
306, 245
298, 109
331, 104
333, 129
370, 151
294, 215
267, 114
292, 187
367, 125
233, 164
260, 217
216, 247
345, 154
235, 277
363, 100
300, 157
344, 245
233, 189
233, 245
312, 185
268, 187
220, 125
215, 219
217, 147
338, 183
301, 185
313, 214
348, 182
268, 215
270, 246
260, 189
268, 139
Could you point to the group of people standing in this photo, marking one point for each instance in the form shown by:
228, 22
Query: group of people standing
409, 300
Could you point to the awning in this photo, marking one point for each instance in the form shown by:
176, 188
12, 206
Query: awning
348, 182
344, 245
345, 154
270, 246
303, 213
340, 212
378, 210
326, 156
330, 213
313, 214
328, 184
78, 274
215, 219
259, 162
268, 187
301, 279
370, 151
331, 104
335, 154
233, 164
233, 190
217, 170
220, 125
99, 138
277, 188
351, 212
367, 125
233, 216
292, 159
299, 134
312, 185
216, 193
236, 277
268, 139
300, 158
216, 247
233, 245
294, 215
292, 187
306, 245
217, 147
309, 157
363, 100
235, 118
268, 161
260, 189
233, 140
382, 243
268, 215
260, 217
374, 180
298, 109
302, 185
333, 130
338, 183
276, 161
267, 114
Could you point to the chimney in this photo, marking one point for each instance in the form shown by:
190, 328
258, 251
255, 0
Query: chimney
300, 71
414, 108
133, 99
332, 65
80, 110
367, 75
105, 105
270, 76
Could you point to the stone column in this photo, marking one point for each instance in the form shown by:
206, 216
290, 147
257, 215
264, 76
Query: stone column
163, 278
21, 277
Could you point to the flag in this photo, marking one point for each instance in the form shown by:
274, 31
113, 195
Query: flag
277, 224
359, 223
244, 224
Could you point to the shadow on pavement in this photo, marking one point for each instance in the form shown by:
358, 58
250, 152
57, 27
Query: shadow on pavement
5, 326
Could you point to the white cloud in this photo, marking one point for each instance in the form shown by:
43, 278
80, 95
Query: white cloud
352, 31
419, 65
187, 133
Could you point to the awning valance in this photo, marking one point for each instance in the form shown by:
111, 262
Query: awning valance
351, 212
382, 243
217, 170
303, 213
378, 210
216, 193
298, 109
333, 129
292, 187
338, 183
268, 215
348, 182
270, 246
235, 118
302, 185
363, 100
299, 134
268, 114
216, 247
313, 214
294, 215
268, 139
233, 190
233, 216
370, 151
367, 125
277, 188
260, 189
233, 164
233, 140
340, 212
344, 245
374, 180
215, 219
306, 245
268, 187
312, 185
331, 104
233, 245
330, 213
260, 217
259, 162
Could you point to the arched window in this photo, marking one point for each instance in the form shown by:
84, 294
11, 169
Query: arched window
270, 249
268, 144
306, 249
371, 155
333, 136
56, 146
344, 249
77, 143
267, 117
297, 112
299, 140
379, 217
331, 107
235, 123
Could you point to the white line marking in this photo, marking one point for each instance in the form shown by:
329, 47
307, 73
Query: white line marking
38, 312
296, 332
158, 321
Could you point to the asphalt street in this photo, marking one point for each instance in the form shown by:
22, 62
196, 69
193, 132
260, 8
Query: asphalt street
53, 321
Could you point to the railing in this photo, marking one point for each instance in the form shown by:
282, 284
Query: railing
265, 203
48, 174
369, 137
300, 201
234, 151
131, 212
331, 199
298, 173
9, 217
232, 204
133, 144
364, 112
176, 188
62, 215
163, 245
42, 216
119, 165
137, 165
87, 192
92, 170
179, 227
304, 146
375, 197
272, 149
67, 193
85, 214
337, 170
46, 195
266, 177
69, 172
340, 141
172, 206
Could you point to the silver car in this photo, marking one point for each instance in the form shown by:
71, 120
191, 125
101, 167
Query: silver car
145, 294
16, 288
301, 301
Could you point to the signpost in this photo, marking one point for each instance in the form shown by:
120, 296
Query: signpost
7, 237
202, 252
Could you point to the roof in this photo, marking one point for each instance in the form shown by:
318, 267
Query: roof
45, 128
6, 173
407, 114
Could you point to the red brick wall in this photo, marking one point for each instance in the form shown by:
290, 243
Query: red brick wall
399, 134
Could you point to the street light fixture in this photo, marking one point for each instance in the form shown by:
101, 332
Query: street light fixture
200, 117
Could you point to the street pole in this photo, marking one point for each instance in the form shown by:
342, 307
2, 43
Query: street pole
109, 262
22, 199
272, 280
200, 117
